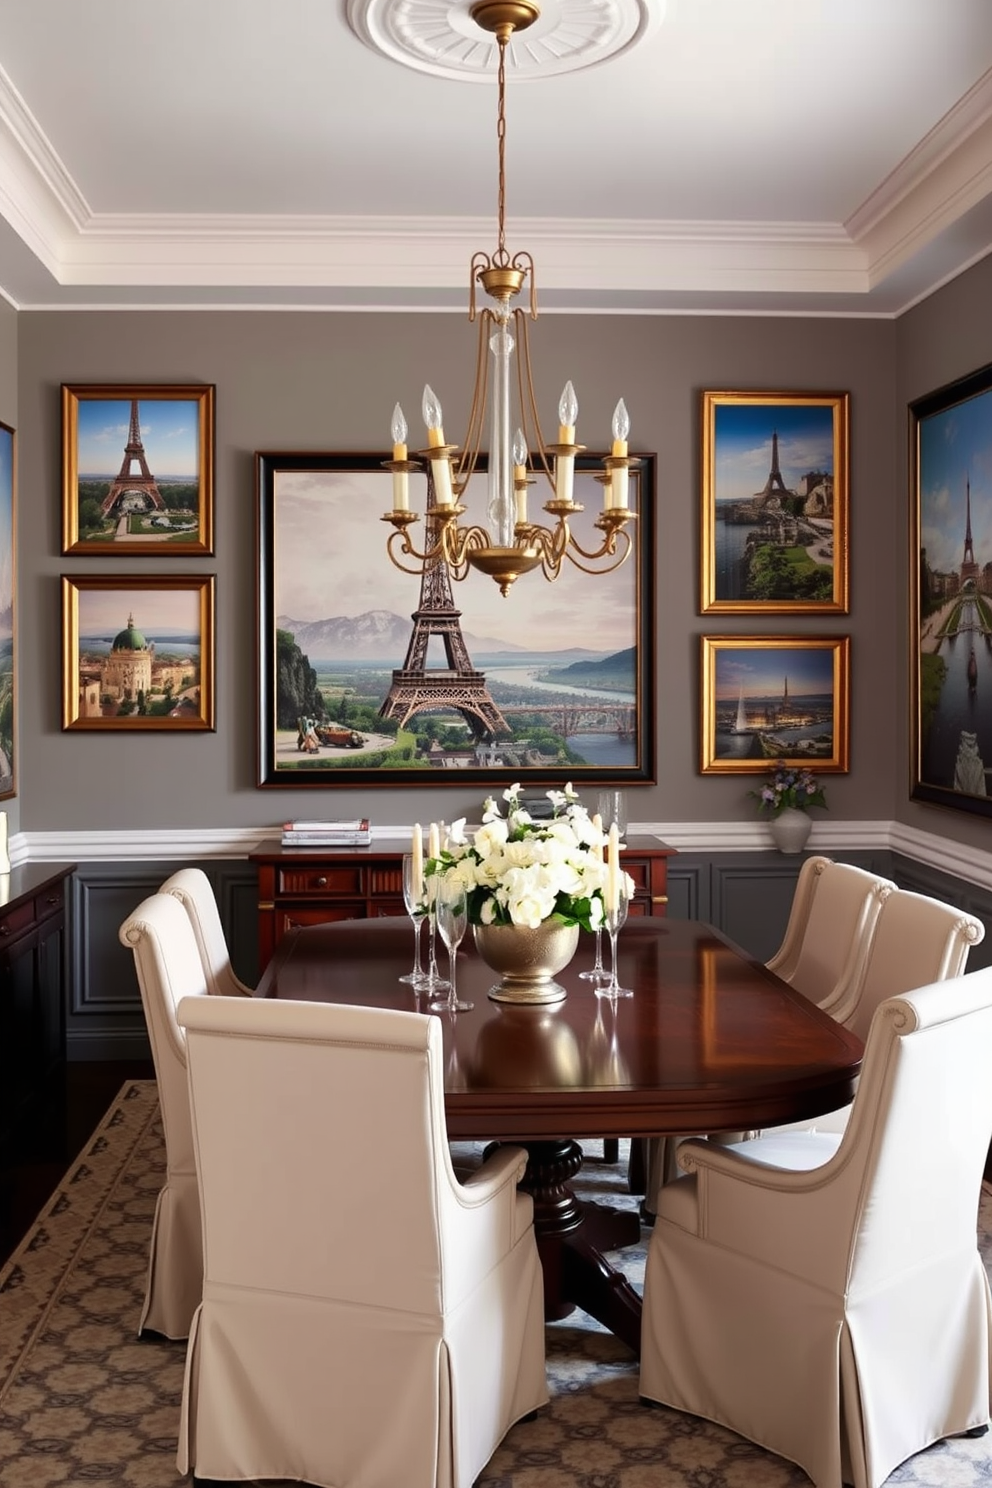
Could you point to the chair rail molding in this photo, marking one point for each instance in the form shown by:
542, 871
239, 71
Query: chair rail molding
954, 858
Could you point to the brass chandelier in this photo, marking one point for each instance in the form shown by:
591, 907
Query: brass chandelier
510, 543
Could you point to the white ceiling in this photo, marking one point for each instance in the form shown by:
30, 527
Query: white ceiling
826, 156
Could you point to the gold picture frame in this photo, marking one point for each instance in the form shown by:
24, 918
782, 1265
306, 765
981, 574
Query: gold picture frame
138, 470
762, 694
138, 652
775, 503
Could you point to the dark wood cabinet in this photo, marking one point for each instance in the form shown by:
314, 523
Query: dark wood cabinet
32, 1005
310, 886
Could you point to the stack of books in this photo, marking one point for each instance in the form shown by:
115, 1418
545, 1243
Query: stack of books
327, 833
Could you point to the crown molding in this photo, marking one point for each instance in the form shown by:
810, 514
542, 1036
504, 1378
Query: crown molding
945, 176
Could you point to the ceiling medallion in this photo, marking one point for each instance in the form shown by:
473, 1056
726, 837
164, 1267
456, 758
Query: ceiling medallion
441, 37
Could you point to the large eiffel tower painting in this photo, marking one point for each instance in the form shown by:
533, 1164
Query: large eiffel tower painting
130, 483
417, 688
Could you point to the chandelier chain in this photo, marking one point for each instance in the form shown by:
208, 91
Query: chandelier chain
501, 256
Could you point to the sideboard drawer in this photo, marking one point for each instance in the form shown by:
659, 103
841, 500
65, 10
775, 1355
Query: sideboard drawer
323, 882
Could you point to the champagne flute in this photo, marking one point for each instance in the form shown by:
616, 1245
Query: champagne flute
416, 908
433, 980
451, 910
597, 972
615, 909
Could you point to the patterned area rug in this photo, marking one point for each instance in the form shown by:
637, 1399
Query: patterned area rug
82, 1399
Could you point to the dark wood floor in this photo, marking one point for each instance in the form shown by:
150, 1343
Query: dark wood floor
30, 1173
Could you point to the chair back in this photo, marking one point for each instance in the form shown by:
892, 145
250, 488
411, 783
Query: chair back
917, 1139
169, 968
269, 1080
193, 889
917, 940
834, 911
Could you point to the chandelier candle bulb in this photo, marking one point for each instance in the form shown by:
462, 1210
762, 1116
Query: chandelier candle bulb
520, 477
568, 412
440, 467
401, 480
617, 494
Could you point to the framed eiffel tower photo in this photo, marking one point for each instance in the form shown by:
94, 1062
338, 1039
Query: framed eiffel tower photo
138, 470
775, 475
951, 587
372, 673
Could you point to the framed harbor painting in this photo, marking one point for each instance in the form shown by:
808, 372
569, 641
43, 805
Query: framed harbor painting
774, 699
137, 470
774, 518
8, 599
138, 652
951, 622
369, 674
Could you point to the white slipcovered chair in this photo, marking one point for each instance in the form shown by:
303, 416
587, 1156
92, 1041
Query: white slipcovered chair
824, 952
363, 1322
833, 914
169, 967
193, 889
824, 1296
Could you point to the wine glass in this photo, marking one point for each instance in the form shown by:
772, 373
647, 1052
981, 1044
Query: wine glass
615, 914
416, 908
451, 911
597, 972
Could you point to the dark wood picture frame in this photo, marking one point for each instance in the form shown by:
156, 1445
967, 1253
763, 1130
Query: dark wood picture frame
951, 595
8, 612
122, 499
138, 652
342, 661
761, 694
774, 518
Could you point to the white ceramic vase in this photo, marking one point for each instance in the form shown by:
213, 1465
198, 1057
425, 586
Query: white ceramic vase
790, 829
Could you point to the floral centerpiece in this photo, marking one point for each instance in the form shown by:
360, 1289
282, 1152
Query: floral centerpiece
518, 870
790, 788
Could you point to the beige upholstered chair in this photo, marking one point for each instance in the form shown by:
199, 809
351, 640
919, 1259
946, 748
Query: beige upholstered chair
824, 1296
916, 941
193, 889
823, 954
372, 1322
833, 914
167, 960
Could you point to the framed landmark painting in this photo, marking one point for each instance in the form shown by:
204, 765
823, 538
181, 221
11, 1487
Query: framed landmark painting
8, 596
137, 470
373, 673
769, 700
951, 622
774, 518
138, 652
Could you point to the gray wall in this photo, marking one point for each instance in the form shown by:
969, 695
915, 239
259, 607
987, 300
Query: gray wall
328, 382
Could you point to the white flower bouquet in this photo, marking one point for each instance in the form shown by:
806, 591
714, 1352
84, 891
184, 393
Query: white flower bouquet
520, 871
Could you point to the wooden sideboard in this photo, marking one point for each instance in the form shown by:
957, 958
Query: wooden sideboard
309, 886
32, 1004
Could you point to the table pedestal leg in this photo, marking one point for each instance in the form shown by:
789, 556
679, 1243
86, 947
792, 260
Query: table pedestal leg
571, 1238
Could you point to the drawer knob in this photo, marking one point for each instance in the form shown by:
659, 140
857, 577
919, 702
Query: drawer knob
322, 882
4, 929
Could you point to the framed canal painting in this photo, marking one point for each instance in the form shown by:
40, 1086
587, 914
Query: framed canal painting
369, 674
138, 652
774, 519
8, 600
137, 470
951, 477
774, 699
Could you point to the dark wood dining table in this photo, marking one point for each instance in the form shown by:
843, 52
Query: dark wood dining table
710, 1042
